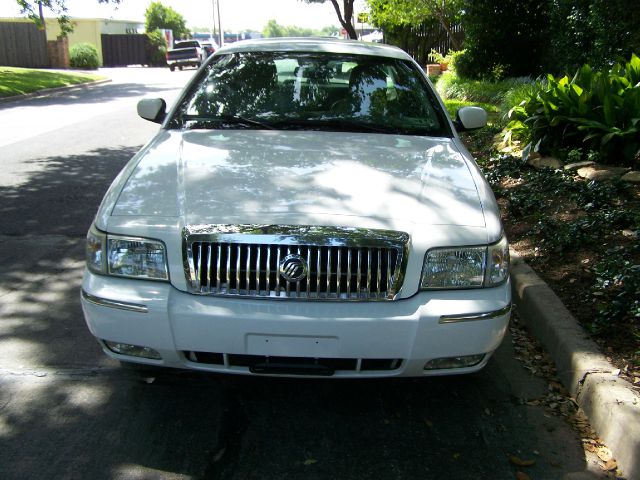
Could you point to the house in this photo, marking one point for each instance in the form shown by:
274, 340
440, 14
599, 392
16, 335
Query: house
86, 30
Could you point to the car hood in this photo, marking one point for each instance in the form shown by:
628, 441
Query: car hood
249, 176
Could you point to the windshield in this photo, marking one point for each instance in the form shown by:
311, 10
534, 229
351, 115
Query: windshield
322, 91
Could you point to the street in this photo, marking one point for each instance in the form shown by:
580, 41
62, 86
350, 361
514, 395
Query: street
68, 411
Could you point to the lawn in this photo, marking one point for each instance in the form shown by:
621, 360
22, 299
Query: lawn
16, 81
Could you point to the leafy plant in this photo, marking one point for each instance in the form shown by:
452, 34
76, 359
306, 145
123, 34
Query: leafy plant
157, 48
618, 281
437, 57
84, 55
599, 110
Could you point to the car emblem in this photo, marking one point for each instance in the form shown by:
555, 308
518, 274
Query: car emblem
293, 268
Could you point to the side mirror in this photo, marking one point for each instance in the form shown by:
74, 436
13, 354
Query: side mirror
470, 118
152, 109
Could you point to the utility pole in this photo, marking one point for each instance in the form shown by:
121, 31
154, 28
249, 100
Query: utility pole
213, 12
220, 27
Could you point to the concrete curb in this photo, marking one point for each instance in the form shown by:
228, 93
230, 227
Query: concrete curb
50, 91
612, 405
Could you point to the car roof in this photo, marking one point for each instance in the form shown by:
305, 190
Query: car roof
314, 44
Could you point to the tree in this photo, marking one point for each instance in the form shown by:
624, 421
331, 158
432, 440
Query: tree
415, 12
274, 29
345, 16
515, 49
159, 16
34, 9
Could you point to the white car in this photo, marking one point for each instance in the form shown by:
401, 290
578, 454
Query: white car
306, 209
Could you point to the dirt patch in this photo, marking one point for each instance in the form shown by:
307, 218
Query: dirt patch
582, 237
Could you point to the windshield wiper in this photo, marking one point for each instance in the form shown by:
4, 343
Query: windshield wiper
227, 120
338, 124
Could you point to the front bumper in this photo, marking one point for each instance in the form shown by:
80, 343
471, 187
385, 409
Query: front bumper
350, 339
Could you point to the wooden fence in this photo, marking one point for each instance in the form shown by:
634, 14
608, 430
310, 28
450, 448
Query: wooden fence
418, 41
22, 45
123, 50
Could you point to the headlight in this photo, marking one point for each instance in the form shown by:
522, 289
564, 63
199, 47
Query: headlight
96, 244
497, 263
466, 267
126, 256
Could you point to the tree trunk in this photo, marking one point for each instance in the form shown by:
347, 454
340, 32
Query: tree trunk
454, 42
345, 20
43, 25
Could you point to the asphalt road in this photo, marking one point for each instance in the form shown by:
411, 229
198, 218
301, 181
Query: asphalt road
67, 411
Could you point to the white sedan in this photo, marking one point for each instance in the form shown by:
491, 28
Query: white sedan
306, 209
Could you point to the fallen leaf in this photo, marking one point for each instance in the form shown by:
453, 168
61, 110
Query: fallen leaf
615, 372
522, 476
310, 461
610, 465
520, 462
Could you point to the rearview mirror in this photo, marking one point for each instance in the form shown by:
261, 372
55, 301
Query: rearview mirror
470, 118
152, 109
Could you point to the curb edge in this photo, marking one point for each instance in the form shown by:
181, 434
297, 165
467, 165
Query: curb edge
50, 91
610, 403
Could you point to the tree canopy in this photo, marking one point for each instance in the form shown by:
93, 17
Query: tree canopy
159, 16
345, 15
35, 9
392, 13
274, 29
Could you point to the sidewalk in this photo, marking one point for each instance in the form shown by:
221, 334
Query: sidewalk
610, 403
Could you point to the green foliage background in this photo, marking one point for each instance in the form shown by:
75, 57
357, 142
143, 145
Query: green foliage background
84, 55
158, 16
274, 29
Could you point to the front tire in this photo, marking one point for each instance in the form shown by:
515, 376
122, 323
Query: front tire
172, 68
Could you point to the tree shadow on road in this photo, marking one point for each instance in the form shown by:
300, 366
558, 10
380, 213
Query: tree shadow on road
62, 194
67, 411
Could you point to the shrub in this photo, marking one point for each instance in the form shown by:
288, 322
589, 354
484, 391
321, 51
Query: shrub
513, 49
596, 32
157, 48
597, 110
84, 55
454, 87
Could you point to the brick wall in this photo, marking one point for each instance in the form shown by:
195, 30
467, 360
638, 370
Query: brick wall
58, 52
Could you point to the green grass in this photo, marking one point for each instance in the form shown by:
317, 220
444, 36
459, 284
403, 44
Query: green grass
16, 81
496, 98
454, 105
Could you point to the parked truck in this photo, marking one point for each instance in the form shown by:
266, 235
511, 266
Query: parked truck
186, 53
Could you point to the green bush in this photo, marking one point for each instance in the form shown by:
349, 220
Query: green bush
454, 87
157, 46
599, 110
84, 55
596, 32
503, 38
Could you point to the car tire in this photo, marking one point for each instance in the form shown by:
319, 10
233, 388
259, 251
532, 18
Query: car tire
172, 68
180, 68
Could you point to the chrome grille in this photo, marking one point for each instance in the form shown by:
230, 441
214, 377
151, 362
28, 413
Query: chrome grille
338, 263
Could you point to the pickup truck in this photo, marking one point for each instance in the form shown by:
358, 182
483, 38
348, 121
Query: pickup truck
186, 53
